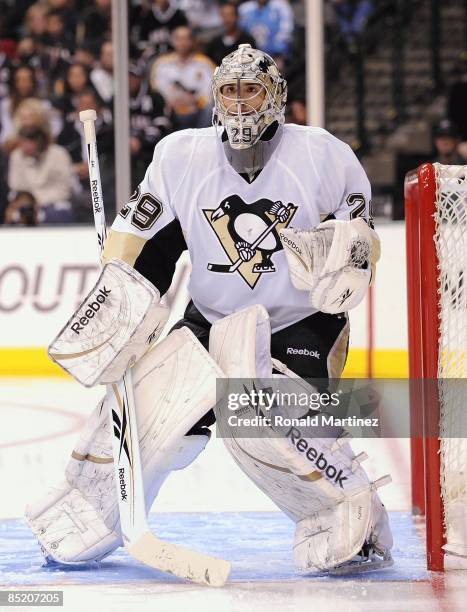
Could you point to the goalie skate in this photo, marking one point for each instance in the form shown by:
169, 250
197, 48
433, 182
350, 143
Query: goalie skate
369, 559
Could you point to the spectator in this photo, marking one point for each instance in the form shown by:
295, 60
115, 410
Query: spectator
22, 210
446, 137
184, 79
45, 170
152, 25
27, 52
69, 12
32, 112
32, 53
352, 16
204, 17
23, 85
102, 76
12, 18
232, 36
150, 120
296, 112
57, 35
84, 54
77, 80
72, 139
271, 23
6, 68
95, 25
58, 47
35, 23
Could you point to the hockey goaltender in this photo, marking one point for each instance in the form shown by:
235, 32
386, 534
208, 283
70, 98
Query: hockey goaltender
276, 219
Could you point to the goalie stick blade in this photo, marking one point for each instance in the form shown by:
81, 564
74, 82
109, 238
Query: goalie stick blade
179, 561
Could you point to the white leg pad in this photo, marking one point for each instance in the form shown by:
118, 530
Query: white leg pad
333, 536
174, 384
72, 531
318, 482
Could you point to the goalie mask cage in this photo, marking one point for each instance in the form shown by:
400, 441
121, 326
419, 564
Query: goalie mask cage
436, 236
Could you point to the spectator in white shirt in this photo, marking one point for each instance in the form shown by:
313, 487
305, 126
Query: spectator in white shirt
45, 170
184, 80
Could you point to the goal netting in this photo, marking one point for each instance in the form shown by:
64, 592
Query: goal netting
436, 235
451, 248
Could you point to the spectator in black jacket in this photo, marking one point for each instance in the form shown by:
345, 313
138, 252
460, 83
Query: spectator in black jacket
232, 36
95, 24
152, 24
69, 11
58, 47
77, 79
150, 120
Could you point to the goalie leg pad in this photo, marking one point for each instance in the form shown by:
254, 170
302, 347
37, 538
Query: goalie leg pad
175, 385
326, 481
79, 525
333, 536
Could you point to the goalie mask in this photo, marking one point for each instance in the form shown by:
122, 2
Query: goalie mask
249, 95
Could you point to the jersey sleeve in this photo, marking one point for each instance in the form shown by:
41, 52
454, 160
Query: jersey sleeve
345, 191
146, 233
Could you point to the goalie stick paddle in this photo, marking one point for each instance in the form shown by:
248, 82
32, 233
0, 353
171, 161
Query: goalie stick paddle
231, 268
140, 543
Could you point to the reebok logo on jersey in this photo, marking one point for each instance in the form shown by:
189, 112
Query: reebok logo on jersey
92, 308
319, 461
121, 477
305, 352
95, 196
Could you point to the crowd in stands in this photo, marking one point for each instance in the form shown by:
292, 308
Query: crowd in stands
56, 59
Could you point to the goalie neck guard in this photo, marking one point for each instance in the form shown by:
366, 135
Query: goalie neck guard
244, 118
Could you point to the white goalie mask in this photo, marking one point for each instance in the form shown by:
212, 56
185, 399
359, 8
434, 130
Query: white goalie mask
246, 114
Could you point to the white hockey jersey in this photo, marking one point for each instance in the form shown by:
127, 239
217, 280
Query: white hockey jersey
230, 226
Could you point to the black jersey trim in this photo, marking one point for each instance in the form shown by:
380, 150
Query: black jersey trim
160, 254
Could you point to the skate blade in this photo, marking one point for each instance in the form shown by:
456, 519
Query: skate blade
360, 567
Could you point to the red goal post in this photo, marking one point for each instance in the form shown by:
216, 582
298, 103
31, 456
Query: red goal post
436, 235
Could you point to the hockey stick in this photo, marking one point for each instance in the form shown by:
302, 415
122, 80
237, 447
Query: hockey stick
139, 541
239, 261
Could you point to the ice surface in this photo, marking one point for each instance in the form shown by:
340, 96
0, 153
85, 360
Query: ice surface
258, 544
211, 506
262, 579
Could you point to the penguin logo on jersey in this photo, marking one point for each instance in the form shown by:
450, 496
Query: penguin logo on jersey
249, 235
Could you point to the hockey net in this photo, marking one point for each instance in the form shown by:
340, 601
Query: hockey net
436, 230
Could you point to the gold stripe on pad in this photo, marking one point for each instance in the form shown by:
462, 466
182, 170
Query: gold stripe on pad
91, 458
